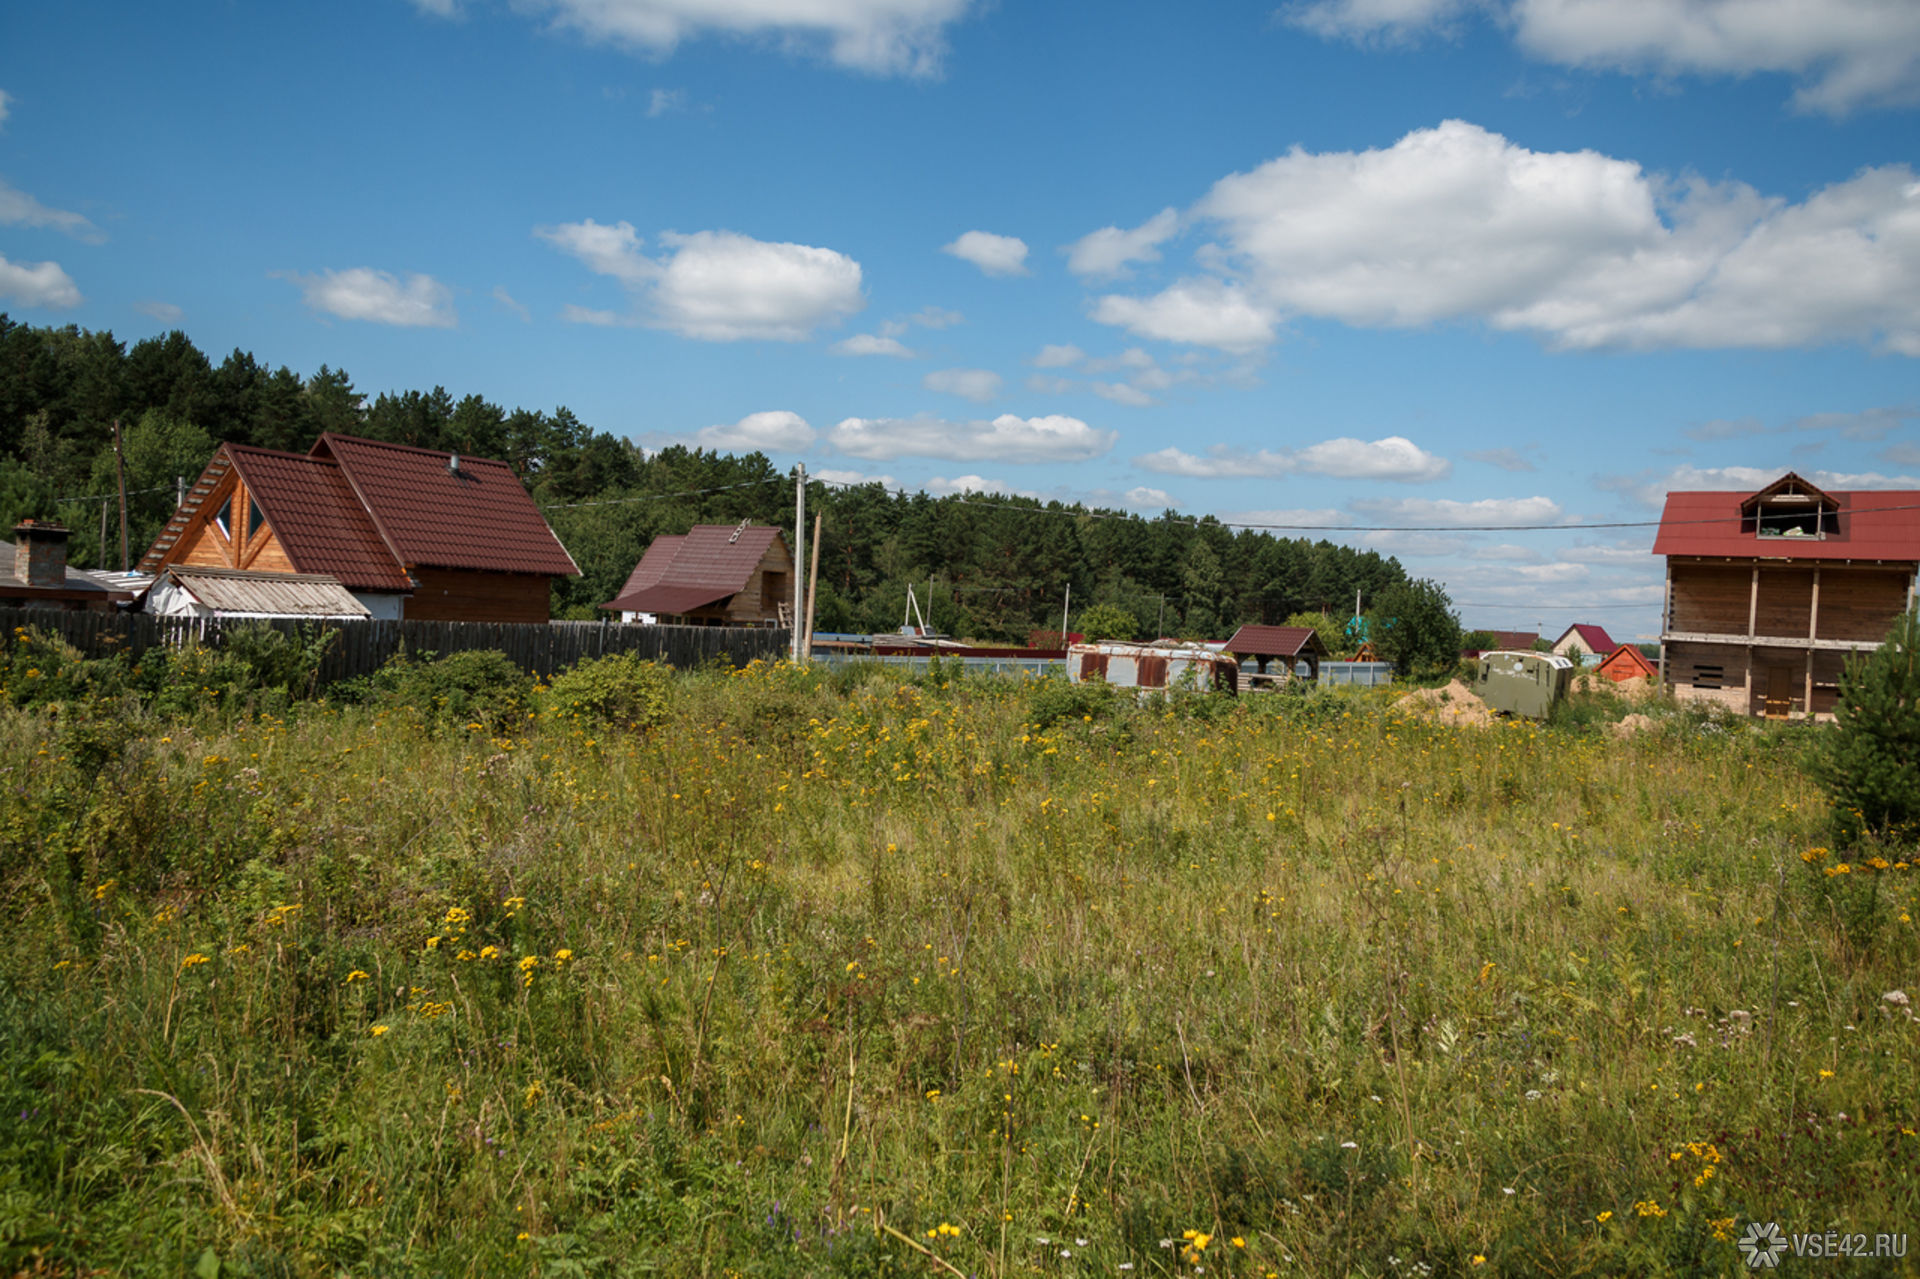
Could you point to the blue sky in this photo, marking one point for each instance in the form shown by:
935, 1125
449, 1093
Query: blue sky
1349, 264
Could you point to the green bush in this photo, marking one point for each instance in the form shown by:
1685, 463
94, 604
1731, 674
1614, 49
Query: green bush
1869, 765
1052, 700
482, 687
1107, 622
618, 689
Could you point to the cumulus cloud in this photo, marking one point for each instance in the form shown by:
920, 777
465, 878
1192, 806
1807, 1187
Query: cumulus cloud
17, 208
718, 286
1426, 512
1058, 356
871, 344
378, 297
978, 385
1109, 251
1007, 438
1845, 53
1392, 458
1288, 518
773, 431
1650, 488
37, 284
165, 312
994, 254
1579, 248
881, 37
940, 486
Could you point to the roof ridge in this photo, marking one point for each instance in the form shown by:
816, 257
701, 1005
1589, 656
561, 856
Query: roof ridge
411, 448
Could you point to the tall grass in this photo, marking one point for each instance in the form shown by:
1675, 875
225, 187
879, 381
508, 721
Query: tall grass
840, 974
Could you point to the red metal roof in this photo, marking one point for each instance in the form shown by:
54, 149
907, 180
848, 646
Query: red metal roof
1627, 662
717, 559
659, 555
319, 522
1708, 524
475, 516
1522, 640
1594, 637
1275, 641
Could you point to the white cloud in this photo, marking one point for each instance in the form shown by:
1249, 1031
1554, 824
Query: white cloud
1649, 489
665, 101
1288, 518
883, 37
17, 208
1046, 385
994, 254
832, 476
1508, 553
165, 312
719, 286
510, 305
1151, 499
1455, 222
1121, 393
1109, 251
575, 314
1901, 454
978, 385
1424, 512
940, 486
1392, 458
37, 284
936, 317
1007, 438
870, 344
1865, 426
773, 431
1416, 545
1846, 53
378, 297
1507, 459
1058, 356
1200, 311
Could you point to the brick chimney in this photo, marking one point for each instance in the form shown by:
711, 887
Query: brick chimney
40, 552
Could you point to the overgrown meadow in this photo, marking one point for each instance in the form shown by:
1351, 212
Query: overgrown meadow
841, 973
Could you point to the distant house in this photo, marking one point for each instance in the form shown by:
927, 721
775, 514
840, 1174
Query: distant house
712, 575
1769, 592
411, 533
1506, 641
39, 576
187, 590
1624, 663
1292, 645
1584, 643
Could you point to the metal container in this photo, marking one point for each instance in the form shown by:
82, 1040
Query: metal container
1526, 684
1154, 666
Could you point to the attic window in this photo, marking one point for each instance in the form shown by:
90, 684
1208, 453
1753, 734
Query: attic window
225, 518
255, 520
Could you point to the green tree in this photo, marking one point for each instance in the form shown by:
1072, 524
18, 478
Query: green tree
1331, 630
1202, 586
1105, 622
1416, 628
1869, 764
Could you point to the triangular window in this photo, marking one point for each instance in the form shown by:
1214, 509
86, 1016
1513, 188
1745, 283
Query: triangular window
255, 520
225, 518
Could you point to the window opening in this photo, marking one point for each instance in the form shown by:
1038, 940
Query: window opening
225, 517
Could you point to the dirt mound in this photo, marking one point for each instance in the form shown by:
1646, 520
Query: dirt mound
1637, 689
1455, 704
1632, 724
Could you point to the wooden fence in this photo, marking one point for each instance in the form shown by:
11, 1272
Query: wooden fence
360, 648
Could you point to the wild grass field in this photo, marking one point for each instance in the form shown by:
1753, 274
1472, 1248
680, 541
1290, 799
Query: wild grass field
845, 973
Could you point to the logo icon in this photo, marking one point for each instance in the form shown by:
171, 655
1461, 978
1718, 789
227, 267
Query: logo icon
1762, 1245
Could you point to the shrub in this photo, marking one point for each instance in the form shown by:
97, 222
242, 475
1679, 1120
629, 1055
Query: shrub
1107, 622
483, 686
1052, 700
617, 689
1869, 765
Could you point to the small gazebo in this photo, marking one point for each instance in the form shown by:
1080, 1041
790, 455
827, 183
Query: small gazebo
1292, 644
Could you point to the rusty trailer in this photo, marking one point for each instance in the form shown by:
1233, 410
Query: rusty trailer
1191, 667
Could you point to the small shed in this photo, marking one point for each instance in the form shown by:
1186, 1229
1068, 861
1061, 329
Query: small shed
190, 590
1291, 644
712, 575
1627, 662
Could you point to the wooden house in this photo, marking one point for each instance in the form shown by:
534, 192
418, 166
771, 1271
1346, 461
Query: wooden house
1585, 643
1768, 593
712, 575
412, 533
1624, 663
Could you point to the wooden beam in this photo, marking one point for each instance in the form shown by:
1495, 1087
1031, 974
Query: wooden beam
1769, 641
1753, 602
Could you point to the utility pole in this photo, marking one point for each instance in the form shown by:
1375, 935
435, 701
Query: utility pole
1065, 609
120, 467
799, 542
813, 598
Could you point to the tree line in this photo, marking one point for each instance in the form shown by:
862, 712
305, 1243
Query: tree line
993, 568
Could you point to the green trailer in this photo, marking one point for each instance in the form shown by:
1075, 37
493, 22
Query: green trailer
1526, 684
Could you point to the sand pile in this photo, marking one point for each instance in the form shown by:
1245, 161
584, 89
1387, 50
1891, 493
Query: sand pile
1455, 704
1632, 724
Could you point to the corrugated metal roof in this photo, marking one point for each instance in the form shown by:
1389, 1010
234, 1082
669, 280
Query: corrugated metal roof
717, 559
1708, 524
647, 572
1275, 641
318, 520
667, 599
237, 591
1595, 637
473, 516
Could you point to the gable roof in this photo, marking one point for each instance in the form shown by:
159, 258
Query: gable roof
1594, 637
1275, 641
706, 564
429, 510
1879, 524
1522, 640
319, 522
240, 592
1627, 656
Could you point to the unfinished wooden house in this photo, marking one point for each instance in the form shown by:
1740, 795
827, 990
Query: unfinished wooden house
1768, 593
412, 533
711, 575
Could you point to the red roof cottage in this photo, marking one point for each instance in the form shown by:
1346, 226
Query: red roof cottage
712, 575
1768, 593
414, 533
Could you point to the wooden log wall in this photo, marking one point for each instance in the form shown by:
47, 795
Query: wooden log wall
363, 647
